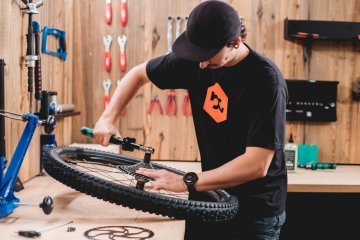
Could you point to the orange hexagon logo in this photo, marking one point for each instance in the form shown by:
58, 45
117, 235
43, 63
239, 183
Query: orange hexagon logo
216, 103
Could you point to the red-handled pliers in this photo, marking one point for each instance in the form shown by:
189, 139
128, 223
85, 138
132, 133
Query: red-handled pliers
154, 101
171, 103
186, 107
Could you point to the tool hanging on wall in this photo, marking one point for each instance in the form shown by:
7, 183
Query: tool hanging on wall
60, 35
122, 43
171, 103
38, 78
169, 33
2, 121
108, 11
186, 107
155, 102
106, 85
107, 43
178, 26
123, 13
123, 111
31, 57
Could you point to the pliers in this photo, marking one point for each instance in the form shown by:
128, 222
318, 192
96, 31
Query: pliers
186, 107
155, 101
171, 103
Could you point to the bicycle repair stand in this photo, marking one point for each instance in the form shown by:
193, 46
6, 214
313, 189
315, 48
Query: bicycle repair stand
8, 201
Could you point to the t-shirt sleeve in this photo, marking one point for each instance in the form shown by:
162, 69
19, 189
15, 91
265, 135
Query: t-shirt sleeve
170, 72
267, 123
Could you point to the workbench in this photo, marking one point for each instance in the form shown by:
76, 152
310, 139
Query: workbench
88, 212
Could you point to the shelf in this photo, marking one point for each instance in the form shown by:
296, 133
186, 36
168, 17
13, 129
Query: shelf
321, 30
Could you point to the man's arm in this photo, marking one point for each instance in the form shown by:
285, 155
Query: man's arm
125, 91
253, 164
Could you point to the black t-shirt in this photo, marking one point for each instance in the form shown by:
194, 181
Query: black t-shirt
245, 107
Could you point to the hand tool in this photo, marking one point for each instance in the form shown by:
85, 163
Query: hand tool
178, 26
186, 20
107, 42
169, 33
123, 13
108, 11
123, 111
128, 144
34, 234
171, 103
122, 44
106, 85
186, 107
30, 58
314, 166
38, 79
2, 106
154, 101
60, 35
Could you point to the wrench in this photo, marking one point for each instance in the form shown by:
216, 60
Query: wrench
106, 85
169, 33
123, 13
178, 26
108, 11
122, 43
107, 42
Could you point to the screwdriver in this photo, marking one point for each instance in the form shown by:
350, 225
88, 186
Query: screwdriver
34, 234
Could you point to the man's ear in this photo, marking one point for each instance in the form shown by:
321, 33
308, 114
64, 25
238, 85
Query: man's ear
238, 41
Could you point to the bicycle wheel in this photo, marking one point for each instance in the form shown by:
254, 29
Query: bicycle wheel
111, 177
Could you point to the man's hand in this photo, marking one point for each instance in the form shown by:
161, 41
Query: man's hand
103, 130
164, 180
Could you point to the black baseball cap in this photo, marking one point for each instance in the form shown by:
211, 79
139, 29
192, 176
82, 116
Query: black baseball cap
211, 25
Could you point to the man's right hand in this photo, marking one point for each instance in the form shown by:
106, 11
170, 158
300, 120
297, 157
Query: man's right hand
103, 130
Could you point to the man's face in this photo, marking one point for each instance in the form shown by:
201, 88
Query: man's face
221, 59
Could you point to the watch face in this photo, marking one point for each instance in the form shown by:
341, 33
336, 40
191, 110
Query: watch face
190, 177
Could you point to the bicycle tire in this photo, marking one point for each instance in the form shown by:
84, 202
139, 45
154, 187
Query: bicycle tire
209, 206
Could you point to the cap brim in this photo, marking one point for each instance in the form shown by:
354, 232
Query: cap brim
184, 49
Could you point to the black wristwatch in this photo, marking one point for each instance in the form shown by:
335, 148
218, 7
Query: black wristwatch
190, 179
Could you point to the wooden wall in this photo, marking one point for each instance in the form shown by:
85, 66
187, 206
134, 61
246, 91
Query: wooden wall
56, 75
79, 78
173, 137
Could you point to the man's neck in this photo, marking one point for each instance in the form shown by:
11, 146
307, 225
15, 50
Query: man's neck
241, 52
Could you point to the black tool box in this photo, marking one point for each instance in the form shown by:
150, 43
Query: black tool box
311, 100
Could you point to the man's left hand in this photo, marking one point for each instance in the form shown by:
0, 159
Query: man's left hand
164, 180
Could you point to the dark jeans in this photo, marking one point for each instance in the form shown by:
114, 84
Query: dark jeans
238, 229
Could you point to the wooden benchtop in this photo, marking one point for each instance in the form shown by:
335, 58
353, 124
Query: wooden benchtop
344, 179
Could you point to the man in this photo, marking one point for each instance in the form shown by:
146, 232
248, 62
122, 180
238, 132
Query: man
238, 98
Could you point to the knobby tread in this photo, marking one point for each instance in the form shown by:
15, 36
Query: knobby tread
204, 210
